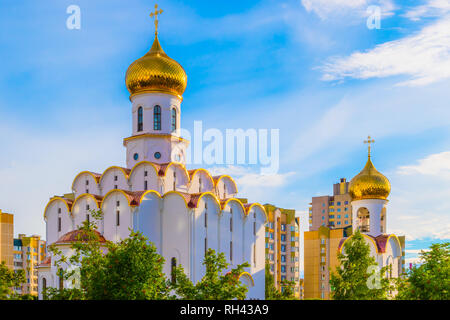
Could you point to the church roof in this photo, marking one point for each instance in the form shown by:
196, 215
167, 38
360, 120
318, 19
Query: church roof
46, 263
78, 235
380, 241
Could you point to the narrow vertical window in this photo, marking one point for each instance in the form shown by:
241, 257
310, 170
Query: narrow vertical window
174, 119
206, 245
174, 180
199, 185
87, 218
59, 224
172, 271
145, 185
157, 118
140, 120
254, 254
231, 250
117, 218
44, 284
231, 220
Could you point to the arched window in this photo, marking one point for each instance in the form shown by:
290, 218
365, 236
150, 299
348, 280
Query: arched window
157, 118
363, 219
44, 284
140, 120
172, 271
174, 119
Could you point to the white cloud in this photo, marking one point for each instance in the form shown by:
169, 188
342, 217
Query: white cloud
417, 206
423, 57
333, 8
254, 186
432, 8
247, 178
435, 164
416, 251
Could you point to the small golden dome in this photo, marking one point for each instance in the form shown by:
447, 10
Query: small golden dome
156, 72
369, 184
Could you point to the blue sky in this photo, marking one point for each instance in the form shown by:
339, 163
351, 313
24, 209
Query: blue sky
311, 68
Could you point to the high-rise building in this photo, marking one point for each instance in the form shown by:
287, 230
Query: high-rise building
282, 246
321, 248
332, 211
28, 253
362, 202
6, 238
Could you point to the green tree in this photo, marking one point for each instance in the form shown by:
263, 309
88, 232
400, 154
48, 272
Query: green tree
8, 280
128, 270
214, 285
431, 279
272, 293
358, 277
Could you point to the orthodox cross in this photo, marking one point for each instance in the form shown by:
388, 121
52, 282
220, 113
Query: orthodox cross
369, 141
155, 15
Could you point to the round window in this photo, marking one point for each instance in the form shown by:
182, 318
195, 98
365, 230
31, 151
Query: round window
135, 156
157, 155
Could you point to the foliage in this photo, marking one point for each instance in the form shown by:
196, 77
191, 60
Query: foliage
214, 285
8, 280
429, 280
272, 293
130, 269
358, 277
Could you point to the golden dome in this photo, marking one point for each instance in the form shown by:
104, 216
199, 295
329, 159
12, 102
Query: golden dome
369, 184
156, 72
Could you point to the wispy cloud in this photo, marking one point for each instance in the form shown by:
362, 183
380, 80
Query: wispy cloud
433, 8
333, 8
435, 164
416, 206
423, 57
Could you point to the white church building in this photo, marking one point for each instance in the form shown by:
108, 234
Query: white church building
183, 212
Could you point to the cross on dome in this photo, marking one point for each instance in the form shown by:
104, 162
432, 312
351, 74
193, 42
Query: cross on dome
369, 141
155, 15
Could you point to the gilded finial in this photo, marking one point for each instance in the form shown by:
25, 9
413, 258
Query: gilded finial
155, 15
369, 141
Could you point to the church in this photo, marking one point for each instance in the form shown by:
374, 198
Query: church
361, 204
183, 212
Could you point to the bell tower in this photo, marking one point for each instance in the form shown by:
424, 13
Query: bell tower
369, 191
156, 84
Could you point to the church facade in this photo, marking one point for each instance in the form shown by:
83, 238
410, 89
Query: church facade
183, 212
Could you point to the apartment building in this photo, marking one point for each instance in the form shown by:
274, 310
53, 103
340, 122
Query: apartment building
282, 246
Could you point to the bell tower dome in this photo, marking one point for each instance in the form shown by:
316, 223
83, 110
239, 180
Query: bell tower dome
369, 191
156, 84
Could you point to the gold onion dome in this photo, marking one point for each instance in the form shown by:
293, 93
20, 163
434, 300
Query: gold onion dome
156, 72
369, 184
